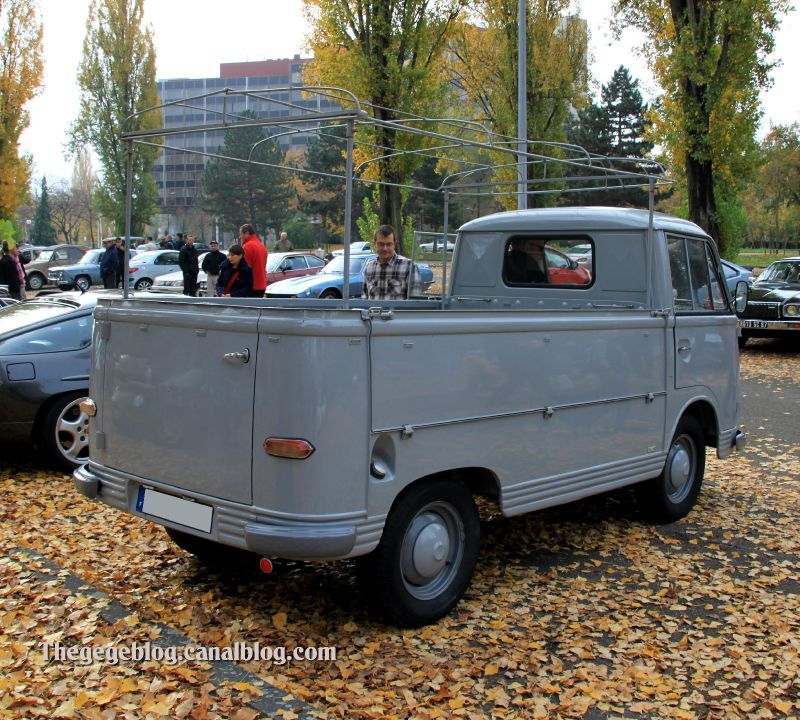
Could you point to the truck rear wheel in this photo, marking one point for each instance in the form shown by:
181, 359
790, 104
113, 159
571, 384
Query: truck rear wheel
426, 556
672, 494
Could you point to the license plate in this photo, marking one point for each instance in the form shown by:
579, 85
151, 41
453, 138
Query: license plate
175, 509
759, 324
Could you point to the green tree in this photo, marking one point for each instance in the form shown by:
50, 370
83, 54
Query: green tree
42, 230
613, 128
239, 193
485, 69
711, 59
391, 54
322, 195
117, 78
20, 79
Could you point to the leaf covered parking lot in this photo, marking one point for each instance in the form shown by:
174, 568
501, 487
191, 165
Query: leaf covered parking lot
579, 612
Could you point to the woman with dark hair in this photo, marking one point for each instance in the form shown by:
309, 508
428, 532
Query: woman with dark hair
235, 275
11, 271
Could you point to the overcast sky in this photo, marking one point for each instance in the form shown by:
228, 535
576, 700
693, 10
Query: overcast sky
192, 43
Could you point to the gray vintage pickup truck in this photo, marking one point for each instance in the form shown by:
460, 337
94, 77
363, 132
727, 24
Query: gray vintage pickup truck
363, 429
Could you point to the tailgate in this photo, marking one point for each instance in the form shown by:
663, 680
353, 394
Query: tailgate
172, 407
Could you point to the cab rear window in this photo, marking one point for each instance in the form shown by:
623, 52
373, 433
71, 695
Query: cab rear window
532, 260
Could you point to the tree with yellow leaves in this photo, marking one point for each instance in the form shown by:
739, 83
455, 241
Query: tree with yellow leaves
711, 59
484, 67
21, 69
117, 78
392, 55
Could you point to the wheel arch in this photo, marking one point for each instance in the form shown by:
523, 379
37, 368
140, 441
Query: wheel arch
704, 412
480, 481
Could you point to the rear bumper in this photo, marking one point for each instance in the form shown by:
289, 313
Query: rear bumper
234, 524
730, 441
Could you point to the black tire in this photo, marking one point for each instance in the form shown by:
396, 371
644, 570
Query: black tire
143, 284
672, 494
65, 432
36, 281
330, 295
208, 551
414, 584
83, 282
743, 340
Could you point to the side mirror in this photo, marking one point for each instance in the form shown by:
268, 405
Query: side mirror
740, 302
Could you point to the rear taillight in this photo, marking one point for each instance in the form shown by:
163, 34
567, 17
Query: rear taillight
133, 270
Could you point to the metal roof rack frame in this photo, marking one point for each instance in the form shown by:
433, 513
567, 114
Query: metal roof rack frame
438, 138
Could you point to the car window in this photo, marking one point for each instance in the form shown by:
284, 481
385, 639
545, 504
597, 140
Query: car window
75, 254
169, 258
297, 262
533, 260
73, 334
60, 254
729, 271
314, 261
696, 283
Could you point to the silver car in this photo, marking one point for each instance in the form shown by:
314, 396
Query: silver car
147, 266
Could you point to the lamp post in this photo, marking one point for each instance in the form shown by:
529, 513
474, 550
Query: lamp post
317, 223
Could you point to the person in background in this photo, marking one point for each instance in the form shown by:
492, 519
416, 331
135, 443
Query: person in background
386, 277
109, 264
167, 243
10, 270
187, 260
149, 245
256, 255
235, 275
211, 263
179, 241
120, 247
284, 244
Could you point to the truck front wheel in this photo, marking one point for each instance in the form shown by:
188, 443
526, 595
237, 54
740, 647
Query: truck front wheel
426, 556
672, 494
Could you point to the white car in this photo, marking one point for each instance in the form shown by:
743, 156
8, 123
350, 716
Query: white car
581, 254
356, 248
428, 246
147, 266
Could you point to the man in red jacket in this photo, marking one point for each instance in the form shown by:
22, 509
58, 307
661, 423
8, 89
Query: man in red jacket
256, 255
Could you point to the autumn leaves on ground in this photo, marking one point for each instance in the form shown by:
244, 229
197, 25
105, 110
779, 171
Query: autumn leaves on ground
579, 612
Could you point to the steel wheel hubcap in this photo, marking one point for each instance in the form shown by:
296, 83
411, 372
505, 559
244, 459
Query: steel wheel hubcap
72, 433
432, 550
681, 468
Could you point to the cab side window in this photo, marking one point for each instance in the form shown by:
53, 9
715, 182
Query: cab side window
697, 285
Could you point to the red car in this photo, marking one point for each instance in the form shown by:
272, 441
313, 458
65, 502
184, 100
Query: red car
564, 270
281, 266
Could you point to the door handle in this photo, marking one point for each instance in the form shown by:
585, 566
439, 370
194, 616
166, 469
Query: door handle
684, 348
242, 357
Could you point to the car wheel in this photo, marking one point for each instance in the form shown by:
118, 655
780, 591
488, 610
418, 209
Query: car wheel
35, 281
208, 551
672, 494
65, 432
143, 284
84, 282
426, 556
330, 295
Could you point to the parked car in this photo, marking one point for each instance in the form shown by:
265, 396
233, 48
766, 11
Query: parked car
773, 303
84, 274
280, 266
44, 374
581, 254
38, 269
357, 247
329, 282
148, 266
428, 246
564, 270
734, 273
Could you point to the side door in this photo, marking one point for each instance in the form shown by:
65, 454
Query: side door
706, 351
165, 263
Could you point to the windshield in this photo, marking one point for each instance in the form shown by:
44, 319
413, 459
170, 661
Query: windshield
91, 257
336, 266
45, 256
15, 317
781, 272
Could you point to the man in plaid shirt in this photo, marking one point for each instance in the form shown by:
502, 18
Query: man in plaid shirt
386, 277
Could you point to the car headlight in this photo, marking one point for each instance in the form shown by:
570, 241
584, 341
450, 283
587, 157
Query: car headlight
791, 310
